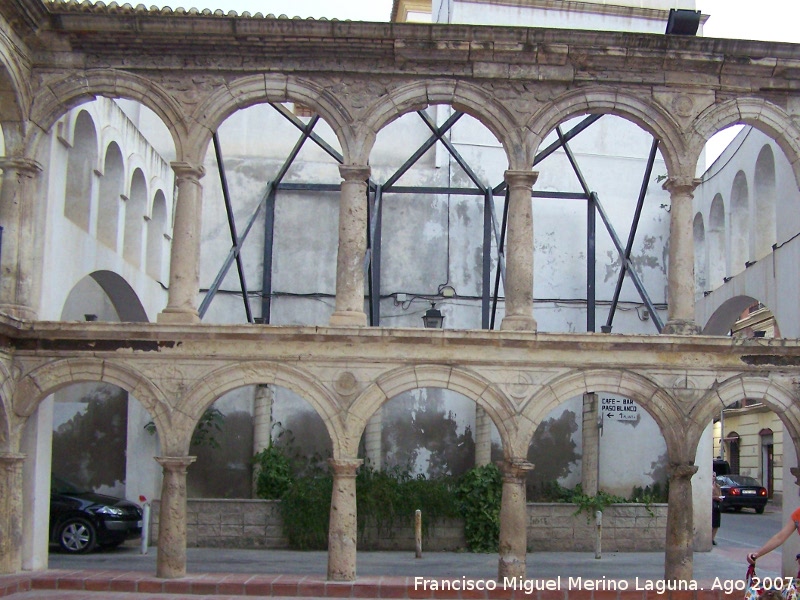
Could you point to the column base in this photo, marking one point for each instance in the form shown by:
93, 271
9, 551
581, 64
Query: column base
512, 567
18, 312
681, 327
348, 318
518, 323
172, 316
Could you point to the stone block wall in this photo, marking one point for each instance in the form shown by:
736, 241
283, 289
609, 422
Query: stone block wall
625, 528
552, 527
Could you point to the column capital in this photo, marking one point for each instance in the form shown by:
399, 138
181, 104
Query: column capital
355, 173
520, 178
515, 469
796, 472
175, 464
345, 467
683, 470
187, 170
681, 184
21, 165
11, 459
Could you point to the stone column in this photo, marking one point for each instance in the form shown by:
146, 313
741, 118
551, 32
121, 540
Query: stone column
11, 512
262, 417
590, 434
513, 545
184, 261
353, 225
483, 437
680, 276
262, 423
680, 523
18, 253
373, 438
171, 559
342, 530
519, 253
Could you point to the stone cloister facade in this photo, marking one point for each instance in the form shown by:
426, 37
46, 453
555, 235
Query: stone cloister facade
195, 69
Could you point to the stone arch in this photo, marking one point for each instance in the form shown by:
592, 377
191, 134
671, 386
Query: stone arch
50, 377
15, 97
135, 210
700, 255
739, 219
230, 377
256, 89
466, 383
7, 439
156, 229
466, 97
81, 165
761, 114
122, 296
774, 395
647, 114
717, 269
57, 96
727, 314
765, 200
654, 399
111, 186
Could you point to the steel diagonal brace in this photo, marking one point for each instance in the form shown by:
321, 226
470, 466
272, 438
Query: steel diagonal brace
634, 227
232, 225
637, 282
427, 145
271, 186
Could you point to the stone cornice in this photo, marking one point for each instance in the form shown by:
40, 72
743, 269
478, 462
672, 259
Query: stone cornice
348, 345
139, 39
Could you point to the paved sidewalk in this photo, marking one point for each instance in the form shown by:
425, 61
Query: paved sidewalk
727, 563
221, 574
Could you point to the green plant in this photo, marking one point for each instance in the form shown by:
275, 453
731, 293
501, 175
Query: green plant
305, 511
479, 494
650, 495
386, 498
273, 473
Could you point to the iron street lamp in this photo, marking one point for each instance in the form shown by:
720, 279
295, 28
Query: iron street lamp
433, 317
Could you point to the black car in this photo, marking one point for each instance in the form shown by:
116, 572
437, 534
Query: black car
740, 491
82, 520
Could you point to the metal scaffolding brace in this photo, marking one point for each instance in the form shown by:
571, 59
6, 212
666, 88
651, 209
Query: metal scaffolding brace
494, 229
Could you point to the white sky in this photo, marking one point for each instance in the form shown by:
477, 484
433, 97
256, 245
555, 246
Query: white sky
746, 19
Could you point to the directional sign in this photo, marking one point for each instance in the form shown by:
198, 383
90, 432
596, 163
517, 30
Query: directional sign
619, 409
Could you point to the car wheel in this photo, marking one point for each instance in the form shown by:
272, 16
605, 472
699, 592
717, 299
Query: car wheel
760, 510
77, 535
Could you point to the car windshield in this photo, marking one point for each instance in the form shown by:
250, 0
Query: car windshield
62, 486
739, 480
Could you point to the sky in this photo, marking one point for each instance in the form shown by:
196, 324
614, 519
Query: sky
746, 19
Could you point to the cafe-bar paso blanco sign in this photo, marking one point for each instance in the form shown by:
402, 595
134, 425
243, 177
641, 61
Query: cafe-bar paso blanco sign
619, 409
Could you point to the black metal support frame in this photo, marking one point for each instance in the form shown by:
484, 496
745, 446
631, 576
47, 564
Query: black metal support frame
493, 228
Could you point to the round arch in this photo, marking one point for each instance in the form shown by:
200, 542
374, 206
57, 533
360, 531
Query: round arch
466, 97
654, 399
462, 381
727, 314
230, 377
648, 115
8, 441
50, 377
15, 83
777, 397
59, 96
761, 114
257, 89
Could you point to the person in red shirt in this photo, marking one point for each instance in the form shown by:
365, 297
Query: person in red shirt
776, 540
